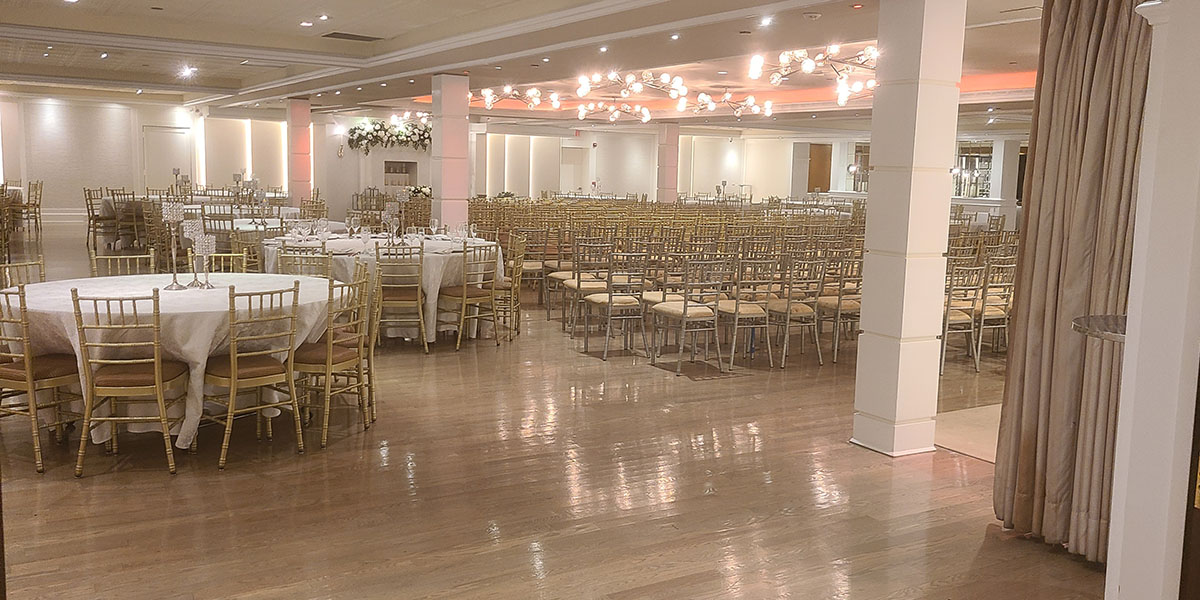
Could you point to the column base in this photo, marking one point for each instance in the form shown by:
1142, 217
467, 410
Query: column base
893, 439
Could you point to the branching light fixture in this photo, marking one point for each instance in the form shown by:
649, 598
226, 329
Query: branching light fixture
706, 102
614, 110
531, 98
848, 71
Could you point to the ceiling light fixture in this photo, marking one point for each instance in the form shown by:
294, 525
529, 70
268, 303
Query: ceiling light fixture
70, 1
793, 61
49, 47
103, 55
546, 59
384, 84
766, 21
604, 48
338, 93
722, 72
856, 6
323, 18
306, 23
674, 36
187, 71
498, 67
412, 80
139, 92
45, 54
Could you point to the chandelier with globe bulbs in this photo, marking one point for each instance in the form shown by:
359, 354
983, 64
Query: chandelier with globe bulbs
854, 74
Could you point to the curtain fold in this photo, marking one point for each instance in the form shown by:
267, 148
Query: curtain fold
1058, 419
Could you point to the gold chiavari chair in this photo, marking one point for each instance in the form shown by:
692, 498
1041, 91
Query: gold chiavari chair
535, 256
23, 375
846, 304
963, 286
29, 211
478, 290
309, 264
123, 264
99, 224
262, 335
508, 289
21, 273
754, 285
589, 275
801, 284
334, 365
704, 280
314, 208
621, 301
218, 222
129, 219
995, 303
250, 244
121, 352
399, 297
220, 262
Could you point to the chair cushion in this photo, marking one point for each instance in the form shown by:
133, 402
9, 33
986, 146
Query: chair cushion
531, 265
314, 354
602, 298
562, 275
675, 309
728, 307
249, 367
958, 317
656, 297
137, 375
46, 366
830, 303
558, 265
798, 309
401, 294
586, 285
465, 291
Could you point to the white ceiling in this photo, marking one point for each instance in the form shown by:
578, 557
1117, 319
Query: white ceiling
254, 52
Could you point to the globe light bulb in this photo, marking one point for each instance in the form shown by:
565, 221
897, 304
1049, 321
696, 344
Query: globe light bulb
833, 49
808, 65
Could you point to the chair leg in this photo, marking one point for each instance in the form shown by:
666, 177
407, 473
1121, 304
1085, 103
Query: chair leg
363, 401
733, 346
37, 437
817, 343
462, 323
85, 433
679, 363
325, 412
229, 415
421, 324
296, 415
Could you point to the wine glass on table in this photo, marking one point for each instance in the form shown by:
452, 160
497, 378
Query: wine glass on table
433, 226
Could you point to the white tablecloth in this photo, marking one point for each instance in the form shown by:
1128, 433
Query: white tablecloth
249, 225
195, 323
108, 209
442, 267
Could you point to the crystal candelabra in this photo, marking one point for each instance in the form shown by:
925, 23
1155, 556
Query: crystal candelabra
391, 218
206, 246
192, 229
173, 215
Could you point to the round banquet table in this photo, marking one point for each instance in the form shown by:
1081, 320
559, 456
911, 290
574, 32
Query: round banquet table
195, 323
441, 267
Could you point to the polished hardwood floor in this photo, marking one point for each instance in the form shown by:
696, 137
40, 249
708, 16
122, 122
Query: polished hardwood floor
534, 470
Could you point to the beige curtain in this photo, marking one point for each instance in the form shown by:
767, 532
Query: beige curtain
1054, 460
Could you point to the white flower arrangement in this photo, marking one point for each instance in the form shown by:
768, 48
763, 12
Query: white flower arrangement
505, 195
420, 191
415, 135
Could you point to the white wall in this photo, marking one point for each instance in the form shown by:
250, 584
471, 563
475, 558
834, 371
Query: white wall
545, 162
801, 158
768, 167
685, 164
626, 163
226, 150
267, 143
716, 159
495, 164
516, 164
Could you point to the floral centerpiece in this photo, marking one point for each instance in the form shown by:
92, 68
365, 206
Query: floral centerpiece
505, 196
419, 191
367, 135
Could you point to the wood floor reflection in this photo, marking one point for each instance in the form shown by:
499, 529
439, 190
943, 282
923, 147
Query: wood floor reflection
534, 471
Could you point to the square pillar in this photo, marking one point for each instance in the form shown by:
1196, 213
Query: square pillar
843, 157
913, 128
451, 162
1006, 163
299, 121
668, 162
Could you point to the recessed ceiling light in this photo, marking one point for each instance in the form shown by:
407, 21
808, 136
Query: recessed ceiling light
991, 120
991, 109
71, 1
187, 71
722, 72
139, 92
49, 47
814, 116
358, 89
45, 54
256, 104
765, 21
498, 67
103, 55
674, 36
412, 80
604, 48
306, 23
318, 95
384, 84
856, 6
324, 17
547, 59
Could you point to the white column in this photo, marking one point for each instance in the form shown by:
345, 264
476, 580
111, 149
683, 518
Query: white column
451, 162
1158, 379
299, 119
801, 157
908, 213
668, 162
843, 157
1006, 159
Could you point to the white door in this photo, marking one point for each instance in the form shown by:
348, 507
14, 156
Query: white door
166, 149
